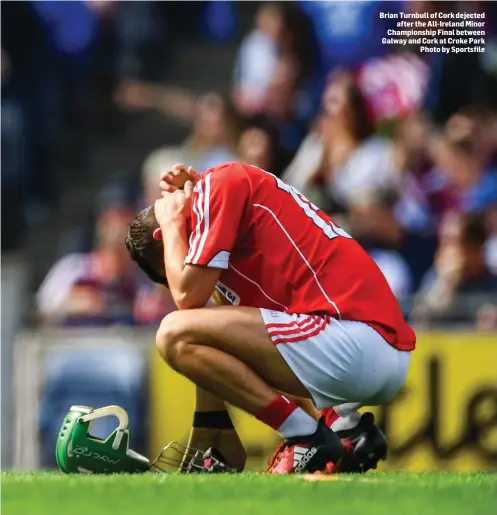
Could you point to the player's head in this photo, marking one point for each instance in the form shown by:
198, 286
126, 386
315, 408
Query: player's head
144, 244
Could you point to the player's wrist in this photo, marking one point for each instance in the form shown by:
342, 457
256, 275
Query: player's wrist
174, 220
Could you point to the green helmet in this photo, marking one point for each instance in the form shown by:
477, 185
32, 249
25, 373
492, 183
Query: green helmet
78, 451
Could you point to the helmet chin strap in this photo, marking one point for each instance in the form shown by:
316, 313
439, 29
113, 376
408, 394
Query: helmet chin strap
78, 451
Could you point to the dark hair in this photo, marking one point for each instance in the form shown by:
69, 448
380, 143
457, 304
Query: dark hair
473, 231
361, 120
384, 197
466, 140
301, 39
143, 249
362, 125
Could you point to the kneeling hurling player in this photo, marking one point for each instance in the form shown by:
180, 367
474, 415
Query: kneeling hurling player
311, 314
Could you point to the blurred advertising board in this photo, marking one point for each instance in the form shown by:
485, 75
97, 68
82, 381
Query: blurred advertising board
445, 418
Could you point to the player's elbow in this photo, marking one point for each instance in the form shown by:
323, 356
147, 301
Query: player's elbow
190, 300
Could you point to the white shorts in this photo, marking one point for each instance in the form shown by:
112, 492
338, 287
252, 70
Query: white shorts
338, 361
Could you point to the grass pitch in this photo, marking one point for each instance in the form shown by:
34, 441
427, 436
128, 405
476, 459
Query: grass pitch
248, 494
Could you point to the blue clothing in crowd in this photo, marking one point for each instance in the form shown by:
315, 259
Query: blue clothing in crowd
349, 33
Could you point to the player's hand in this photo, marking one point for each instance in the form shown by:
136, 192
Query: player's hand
176, 178
174, 207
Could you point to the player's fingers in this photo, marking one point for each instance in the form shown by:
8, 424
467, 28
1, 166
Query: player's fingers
193, 174
168, 177
178, 168
170, 174
188, 189
167, 188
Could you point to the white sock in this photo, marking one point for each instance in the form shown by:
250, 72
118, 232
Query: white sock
346, 408
348, 421
298, 423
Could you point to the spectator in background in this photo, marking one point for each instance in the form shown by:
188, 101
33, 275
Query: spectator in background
279, 120
457, 80
463, 163
394, 87
453, 171
257, 59
277, 78
256, 148
417, 204
351, 156
215, 133
213, 120
459, 283
350, 33
94, 288
373, 223
477, 126
282, 32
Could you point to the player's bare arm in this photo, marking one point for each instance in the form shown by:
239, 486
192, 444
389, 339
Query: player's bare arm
191, 286
212, 428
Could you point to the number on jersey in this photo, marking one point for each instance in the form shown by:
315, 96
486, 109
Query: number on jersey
328, 227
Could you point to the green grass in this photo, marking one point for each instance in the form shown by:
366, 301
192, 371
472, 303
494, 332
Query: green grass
375, 494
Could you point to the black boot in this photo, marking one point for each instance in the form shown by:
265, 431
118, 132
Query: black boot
369, 446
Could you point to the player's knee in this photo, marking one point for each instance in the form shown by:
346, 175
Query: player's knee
170, 339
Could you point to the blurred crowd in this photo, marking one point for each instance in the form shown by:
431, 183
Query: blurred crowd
399, 147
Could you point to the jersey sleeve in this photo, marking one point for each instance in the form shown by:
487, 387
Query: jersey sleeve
218, 205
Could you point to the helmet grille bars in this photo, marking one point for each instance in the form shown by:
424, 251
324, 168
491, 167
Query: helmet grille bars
189, 461
179, 457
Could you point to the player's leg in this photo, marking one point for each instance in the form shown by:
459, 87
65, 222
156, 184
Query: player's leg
240, 333
306, 405
212, 427
227, 351
345, 365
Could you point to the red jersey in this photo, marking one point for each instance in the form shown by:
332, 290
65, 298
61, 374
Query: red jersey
280, 252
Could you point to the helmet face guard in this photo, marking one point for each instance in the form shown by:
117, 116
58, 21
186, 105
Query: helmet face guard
188, 460
77, 451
